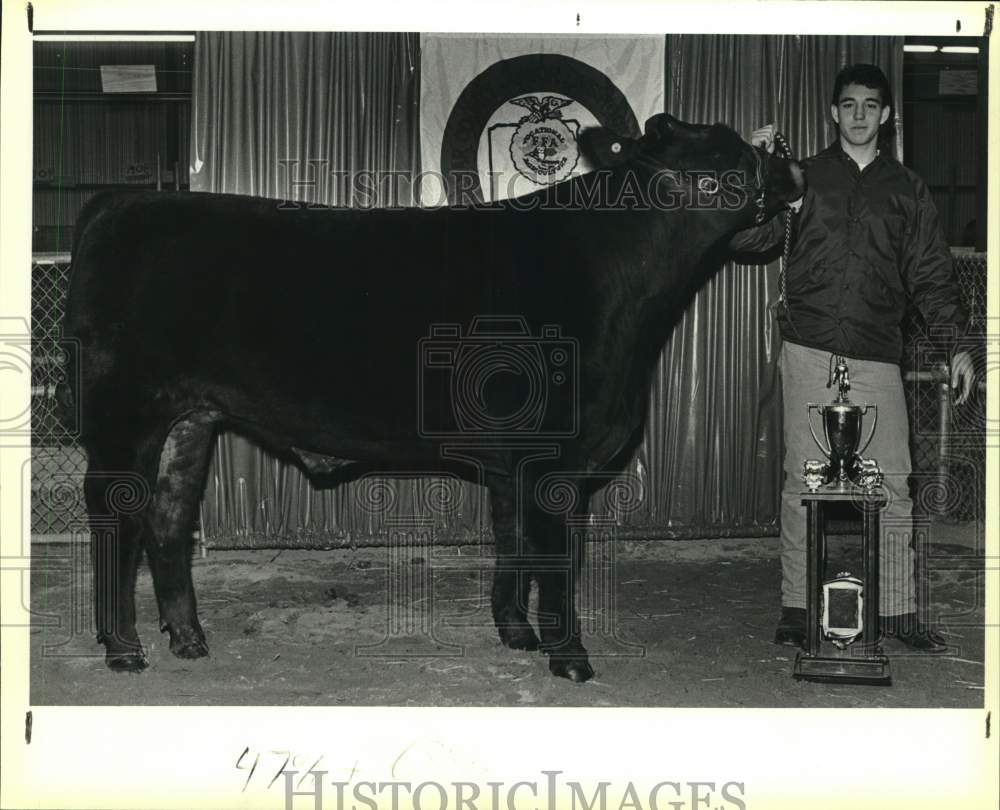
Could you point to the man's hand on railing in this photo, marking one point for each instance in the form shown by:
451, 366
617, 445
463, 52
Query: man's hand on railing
963, 376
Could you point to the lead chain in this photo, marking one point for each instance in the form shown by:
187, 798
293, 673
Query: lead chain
785, 151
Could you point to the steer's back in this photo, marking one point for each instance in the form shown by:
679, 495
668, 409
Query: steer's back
300, 315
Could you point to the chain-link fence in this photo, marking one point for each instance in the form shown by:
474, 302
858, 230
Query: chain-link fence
947, 442
57, 463
49, 354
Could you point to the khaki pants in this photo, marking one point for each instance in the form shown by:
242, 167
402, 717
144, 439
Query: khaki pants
804, 376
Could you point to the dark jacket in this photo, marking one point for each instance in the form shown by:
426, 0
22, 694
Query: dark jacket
866, 244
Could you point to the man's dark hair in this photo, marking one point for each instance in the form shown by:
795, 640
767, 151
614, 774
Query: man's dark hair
870, 76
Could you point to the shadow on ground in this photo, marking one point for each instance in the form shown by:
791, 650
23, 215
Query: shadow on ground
686, 623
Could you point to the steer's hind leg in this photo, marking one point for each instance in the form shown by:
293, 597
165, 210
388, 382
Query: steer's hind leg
511, 582
180, 479
116, 496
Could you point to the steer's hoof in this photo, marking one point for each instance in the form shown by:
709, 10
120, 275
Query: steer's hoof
518, 636
126, 661
187, 642
123, 652
575, 667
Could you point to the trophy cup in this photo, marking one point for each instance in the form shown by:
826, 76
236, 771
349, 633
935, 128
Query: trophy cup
842, 426
842, 626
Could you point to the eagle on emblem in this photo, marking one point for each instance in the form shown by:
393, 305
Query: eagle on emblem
541, 108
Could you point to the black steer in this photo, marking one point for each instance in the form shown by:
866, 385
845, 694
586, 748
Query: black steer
340, 335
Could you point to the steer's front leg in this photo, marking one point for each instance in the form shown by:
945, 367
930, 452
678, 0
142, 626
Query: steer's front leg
557, 570
511, 583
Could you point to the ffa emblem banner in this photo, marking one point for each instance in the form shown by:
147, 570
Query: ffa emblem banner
500, 114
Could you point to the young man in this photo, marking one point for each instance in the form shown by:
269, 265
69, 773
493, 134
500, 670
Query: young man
866, 242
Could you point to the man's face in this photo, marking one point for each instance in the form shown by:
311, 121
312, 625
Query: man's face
859, 113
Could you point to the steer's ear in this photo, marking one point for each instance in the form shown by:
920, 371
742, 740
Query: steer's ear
604, 148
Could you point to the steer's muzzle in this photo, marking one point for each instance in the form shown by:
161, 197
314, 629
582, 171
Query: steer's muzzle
786, 180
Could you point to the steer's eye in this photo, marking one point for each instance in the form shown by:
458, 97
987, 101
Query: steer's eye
708, 185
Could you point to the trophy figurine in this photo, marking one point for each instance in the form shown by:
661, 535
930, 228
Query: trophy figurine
842, 425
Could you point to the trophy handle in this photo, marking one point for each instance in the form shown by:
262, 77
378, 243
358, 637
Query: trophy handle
812, 430
871, 432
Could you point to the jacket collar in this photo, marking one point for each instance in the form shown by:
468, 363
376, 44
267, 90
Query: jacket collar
835, 150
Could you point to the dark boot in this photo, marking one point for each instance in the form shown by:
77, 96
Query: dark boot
907, 629
791, 627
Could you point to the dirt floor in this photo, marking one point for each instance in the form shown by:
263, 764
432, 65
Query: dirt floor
682, 623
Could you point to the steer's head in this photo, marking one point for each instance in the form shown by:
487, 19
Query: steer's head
699, 167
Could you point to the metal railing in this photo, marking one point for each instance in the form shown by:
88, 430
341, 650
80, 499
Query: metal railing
948, 441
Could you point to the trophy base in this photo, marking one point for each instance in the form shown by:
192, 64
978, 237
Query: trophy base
873, 670
864, 475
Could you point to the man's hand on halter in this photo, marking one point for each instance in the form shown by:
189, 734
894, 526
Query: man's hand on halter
764, 138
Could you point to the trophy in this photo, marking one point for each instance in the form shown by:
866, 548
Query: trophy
842, 428
843, 610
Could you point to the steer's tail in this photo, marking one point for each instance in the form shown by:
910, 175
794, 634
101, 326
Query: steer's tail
90, 244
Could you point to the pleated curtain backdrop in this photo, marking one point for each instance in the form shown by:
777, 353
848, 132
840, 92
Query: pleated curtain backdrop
272, 112
279, 115
710, 464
